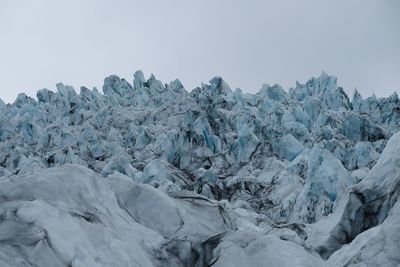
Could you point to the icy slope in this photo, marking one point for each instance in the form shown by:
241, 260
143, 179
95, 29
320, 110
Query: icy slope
150, 174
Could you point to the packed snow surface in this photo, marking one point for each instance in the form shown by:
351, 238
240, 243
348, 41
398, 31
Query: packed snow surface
149, 174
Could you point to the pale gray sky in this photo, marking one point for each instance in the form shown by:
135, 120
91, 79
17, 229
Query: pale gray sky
247, 42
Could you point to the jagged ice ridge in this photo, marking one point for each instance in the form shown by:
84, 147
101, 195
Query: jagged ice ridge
150, 174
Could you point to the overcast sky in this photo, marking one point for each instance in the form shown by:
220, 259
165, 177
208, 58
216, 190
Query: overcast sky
247, 42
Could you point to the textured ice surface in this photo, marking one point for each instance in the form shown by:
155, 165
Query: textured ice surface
149, 174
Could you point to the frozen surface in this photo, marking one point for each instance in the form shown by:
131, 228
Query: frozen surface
149, 174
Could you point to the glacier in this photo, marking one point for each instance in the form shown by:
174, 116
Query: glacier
144, 173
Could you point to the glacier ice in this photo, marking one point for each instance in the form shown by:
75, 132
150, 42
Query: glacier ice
150, 174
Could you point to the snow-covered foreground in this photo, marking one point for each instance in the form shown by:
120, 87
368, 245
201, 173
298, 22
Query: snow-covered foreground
153, 175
